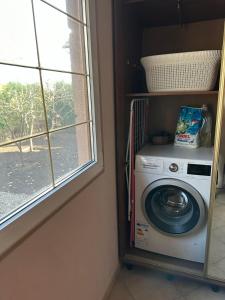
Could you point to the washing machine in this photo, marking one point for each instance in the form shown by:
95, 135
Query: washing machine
172, 196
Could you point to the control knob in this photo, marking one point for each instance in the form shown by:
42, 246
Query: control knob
173, 167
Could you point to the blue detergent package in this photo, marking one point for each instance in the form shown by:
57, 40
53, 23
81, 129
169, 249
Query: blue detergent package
188, 127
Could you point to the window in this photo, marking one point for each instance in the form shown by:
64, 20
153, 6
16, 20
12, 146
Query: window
48, 128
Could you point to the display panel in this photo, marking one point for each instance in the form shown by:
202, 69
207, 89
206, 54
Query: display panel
196, 169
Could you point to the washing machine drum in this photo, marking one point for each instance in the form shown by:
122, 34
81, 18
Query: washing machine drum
173, 206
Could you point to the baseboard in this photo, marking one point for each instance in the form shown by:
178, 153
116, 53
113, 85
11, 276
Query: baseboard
112, 282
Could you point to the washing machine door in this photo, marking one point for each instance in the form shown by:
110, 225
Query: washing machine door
173, 207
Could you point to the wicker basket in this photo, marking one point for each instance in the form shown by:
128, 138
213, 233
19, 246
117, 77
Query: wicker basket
188, 71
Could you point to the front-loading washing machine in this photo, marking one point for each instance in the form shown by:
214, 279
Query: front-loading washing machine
172, 195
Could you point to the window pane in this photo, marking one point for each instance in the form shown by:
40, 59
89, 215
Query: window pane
25, 173
60, 40
66, 98
21, 104
71, 7
17, 33
70, 149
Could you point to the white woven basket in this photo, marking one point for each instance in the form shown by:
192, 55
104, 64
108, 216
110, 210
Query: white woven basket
188, 71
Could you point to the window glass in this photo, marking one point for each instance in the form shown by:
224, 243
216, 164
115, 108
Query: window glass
61, 42
17, 33
70, 149
71, 7
25, 173
66, 98
21, 103
47, 128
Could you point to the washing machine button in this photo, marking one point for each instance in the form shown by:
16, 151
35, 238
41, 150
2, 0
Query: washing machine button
173, 167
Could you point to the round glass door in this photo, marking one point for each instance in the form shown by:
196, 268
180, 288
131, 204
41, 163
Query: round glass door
173, 209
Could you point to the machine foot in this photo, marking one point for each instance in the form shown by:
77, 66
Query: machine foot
129, 267
215, 288
170, 277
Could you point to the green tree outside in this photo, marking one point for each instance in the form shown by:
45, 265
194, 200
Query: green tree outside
22, 110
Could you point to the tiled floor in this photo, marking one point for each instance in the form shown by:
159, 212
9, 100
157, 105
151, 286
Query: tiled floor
217, 243
143, 284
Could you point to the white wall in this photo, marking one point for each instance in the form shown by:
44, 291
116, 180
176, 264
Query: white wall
74, 254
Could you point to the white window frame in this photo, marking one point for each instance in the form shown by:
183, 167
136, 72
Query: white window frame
25, 221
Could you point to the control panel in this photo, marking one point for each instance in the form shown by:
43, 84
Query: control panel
172, 167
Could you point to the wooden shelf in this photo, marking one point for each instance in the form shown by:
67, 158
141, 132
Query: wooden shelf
165, 263
181, 93
133, 1
163, 13
168, 265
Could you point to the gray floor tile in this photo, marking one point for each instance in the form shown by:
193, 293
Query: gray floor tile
217, 250
216, 271
120, 292
144, 284
204, 293
219, 232
185, 286
216, 265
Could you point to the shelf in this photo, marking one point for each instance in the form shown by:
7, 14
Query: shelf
181, 93
165, 263
164, 13
133, 1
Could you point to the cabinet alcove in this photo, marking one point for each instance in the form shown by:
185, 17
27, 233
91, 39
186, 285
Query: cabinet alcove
151, 27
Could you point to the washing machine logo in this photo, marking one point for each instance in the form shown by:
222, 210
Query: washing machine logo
151, 165
155, 165
141, 229
141, 238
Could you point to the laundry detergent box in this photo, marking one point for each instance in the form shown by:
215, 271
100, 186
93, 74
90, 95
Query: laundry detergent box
188, 127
